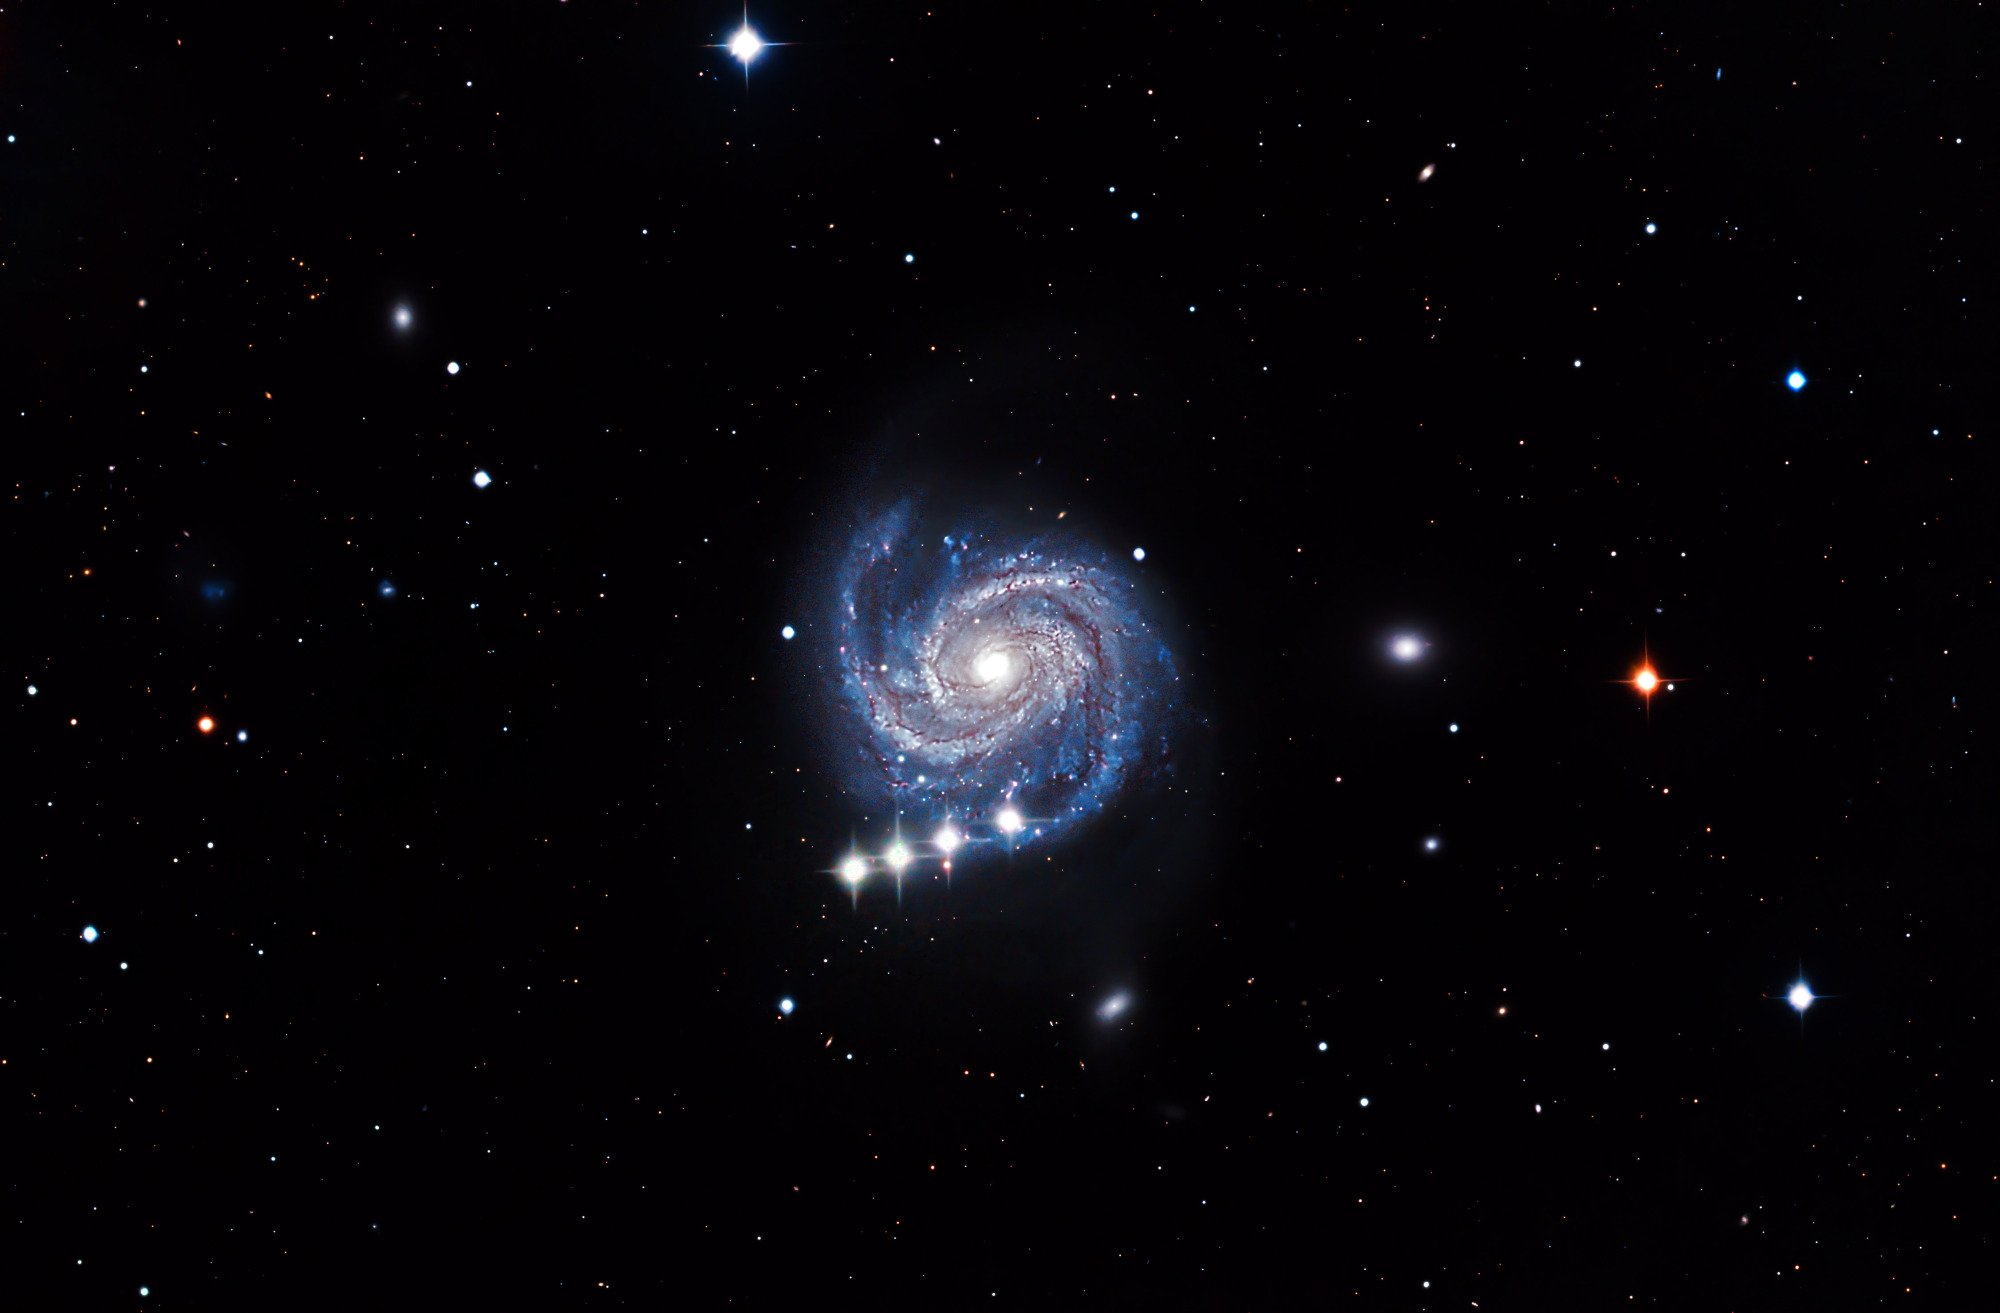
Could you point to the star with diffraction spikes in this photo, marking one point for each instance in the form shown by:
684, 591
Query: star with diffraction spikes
1649, 681
1800, 996
744, 45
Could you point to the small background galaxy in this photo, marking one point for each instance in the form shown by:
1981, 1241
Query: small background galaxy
426, 422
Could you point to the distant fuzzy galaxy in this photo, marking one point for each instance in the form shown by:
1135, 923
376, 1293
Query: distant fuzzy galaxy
1002, 690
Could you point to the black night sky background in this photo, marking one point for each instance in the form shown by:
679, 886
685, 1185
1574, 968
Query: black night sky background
444, 967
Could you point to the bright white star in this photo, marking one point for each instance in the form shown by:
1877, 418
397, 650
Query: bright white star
1008, 821
745, 44
946, 840
854, 870
898, 856
1800, 997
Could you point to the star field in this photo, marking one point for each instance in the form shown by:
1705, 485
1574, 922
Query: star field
998, 657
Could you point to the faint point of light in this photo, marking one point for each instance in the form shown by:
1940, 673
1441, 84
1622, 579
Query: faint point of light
242, 736
1008, 821
745, 45
1190, 309
1576, 364
1406, 647
946, 840
90, 934
898, 857
854, 870
1800, 997
206, 724
1607, 1047
481, 479
785, 1005
1652, 228
788, 633
1796, 380
909, 258
451, 367
1139, 553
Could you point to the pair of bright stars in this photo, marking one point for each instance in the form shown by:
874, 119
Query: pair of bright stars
1650, 681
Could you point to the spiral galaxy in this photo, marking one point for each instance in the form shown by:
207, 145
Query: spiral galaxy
1003, 691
